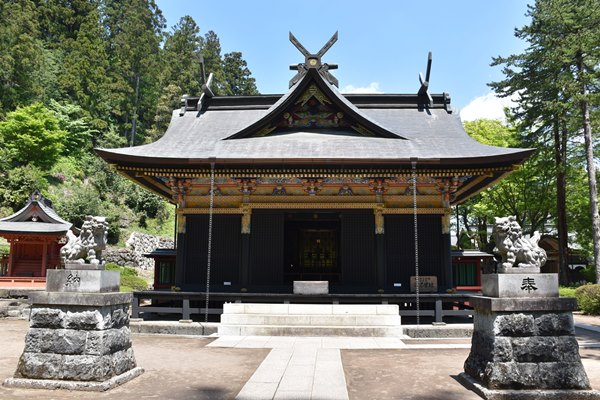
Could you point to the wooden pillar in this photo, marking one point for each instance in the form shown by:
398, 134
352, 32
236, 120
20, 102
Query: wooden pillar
44, 258
380, 247
245, 254
180, 251
245, 261
447, 253
11, 258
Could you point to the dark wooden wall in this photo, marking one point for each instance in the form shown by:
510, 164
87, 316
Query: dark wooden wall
400, 249
226, 249
357, 249
266, 248
359, 252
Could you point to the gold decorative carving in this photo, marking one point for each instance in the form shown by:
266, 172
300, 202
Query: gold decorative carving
181, 222
179, 189
246, 219
312, 186
379, 221
446, 223
378, 186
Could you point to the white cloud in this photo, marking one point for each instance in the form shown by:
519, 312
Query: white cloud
372, 87
487, 107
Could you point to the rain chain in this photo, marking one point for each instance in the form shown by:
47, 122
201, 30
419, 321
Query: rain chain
417, 283
210, 228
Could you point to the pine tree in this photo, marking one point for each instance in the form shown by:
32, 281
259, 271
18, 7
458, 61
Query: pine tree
237, 77
182, 52
556, 79
22, 55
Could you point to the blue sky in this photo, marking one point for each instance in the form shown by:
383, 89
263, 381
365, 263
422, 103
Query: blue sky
382, 45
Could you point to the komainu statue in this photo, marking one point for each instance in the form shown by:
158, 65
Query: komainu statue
515, 250
88, 246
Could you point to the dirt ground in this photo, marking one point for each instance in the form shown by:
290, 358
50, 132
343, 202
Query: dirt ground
183, 368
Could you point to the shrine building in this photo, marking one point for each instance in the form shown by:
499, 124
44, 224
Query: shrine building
314, 184
35, 234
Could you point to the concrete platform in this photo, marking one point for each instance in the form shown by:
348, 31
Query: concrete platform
376, 320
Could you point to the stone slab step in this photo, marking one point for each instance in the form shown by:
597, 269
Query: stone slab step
303, 330
316, 320
311, 309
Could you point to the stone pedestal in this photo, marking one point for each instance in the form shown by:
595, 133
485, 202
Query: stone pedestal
525, 348
78, 337
311, 287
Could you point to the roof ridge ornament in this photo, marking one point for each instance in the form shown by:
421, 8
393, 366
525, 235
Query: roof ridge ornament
313, 61
424, 89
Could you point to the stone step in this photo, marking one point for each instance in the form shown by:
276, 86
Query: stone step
316, 320
304, 330
311, 309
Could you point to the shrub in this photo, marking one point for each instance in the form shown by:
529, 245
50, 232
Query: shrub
129, 278
567, 291
588, 298
589, 273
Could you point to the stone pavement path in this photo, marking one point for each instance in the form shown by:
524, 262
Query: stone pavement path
309, 367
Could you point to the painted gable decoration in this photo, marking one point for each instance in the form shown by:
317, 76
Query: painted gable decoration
314, 105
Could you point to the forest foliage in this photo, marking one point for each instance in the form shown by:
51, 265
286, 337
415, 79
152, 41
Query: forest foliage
80, 74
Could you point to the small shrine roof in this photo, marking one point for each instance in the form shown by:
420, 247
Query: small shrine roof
36, 217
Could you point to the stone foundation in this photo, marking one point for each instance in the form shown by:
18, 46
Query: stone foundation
525, 345
77, 337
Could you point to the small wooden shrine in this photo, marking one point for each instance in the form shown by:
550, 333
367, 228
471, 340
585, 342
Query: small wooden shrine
314, 184
36, 234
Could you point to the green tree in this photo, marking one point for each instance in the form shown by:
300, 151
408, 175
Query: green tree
237, 79
182, 52
527, 193
85, 77
167, 102
213, 62
134, 34
17, 184
32, 135
22, 55
75, 122
556, 79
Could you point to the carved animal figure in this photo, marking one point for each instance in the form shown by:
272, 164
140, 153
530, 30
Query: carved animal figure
88, 246
514, 249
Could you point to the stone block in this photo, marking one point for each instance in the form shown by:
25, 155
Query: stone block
43, 317
388, 309
486, 304
234, 308
427, 284
39, 366
122, 361
84, 266
79, 299
86, 368
311, 287
517, 324
519, 285
255, 308
82, 281
311, 309
87, 319
536, 349
555, 324
511, 375
563, 375
354, 309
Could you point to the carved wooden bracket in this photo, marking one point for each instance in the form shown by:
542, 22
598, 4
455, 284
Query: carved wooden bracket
312, 186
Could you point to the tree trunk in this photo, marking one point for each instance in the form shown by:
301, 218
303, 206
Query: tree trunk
560, 149
591, 167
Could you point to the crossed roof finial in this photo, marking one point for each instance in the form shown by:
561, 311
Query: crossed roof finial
313, 61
